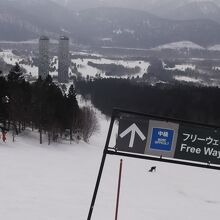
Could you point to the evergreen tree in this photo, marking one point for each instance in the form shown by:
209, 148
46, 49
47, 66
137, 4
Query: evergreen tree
3, 101
15, 73
15, 94
73, 110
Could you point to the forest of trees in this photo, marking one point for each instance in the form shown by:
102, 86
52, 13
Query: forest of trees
181, 101
42, 105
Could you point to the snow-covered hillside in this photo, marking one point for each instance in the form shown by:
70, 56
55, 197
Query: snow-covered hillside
180, 45
81, 60
82, 65
56, 182
85, 69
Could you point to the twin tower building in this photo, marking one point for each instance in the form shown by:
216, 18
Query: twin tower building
63, 58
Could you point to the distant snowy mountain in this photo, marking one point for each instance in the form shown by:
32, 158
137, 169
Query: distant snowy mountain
28, 19
135, 28
148, 5
193, 10
114, 27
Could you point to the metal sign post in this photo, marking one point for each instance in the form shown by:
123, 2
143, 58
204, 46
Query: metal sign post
101, 168
162, 139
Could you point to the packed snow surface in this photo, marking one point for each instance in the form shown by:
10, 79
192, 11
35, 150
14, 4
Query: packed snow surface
56, 182
187, 79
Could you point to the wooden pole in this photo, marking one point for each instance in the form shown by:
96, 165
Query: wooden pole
119, 187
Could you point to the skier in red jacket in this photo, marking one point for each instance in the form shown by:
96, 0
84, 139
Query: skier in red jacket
4, 135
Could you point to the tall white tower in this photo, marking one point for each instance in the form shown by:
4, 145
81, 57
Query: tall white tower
43, 66
63, 59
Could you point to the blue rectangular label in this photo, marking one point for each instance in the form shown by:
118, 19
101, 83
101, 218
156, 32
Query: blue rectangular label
162, 139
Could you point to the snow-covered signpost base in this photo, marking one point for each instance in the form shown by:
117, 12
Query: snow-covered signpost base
161, 139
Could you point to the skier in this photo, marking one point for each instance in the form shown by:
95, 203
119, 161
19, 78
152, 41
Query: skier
152, 169
4, 136
4, 132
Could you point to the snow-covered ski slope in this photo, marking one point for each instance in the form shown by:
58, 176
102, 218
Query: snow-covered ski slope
56, 182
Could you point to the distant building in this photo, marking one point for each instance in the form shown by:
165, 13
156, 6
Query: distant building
63, 59
43, 66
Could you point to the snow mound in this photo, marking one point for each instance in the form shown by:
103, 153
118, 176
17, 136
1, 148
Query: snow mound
180, 45
215, 47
